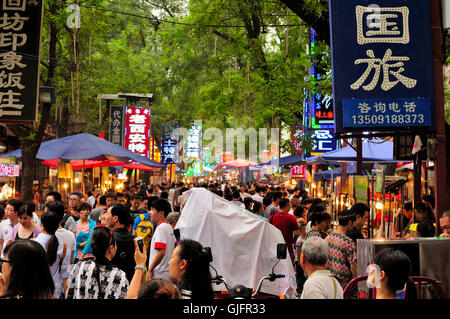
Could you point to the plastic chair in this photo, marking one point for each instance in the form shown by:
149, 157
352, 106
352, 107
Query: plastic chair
354, 284
419, 280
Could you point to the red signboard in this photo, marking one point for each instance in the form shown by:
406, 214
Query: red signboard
298, 172
9, 170
137, 130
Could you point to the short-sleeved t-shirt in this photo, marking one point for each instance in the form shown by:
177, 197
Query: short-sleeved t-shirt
341, 254
322, 285
5, 232
83, 282
287, 223
163, 238
66, 236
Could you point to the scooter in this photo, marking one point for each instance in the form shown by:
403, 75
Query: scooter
242, 292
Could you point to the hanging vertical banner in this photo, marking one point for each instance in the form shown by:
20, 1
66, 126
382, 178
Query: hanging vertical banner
137, 130
169, 149
361, 184
321, 103
383, 77
193, 143
116, 125
297, 138
20, 37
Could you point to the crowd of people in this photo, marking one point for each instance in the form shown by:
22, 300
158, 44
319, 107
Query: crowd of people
86, 246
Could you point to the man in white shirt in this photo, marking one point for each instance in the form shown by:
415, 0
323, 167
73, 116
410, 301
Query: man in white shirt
12, 219
163, 241
66, 236
91, 200
259, 194
320, 283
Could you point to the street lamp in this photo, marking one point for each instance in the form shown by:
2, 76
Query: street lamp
47, 95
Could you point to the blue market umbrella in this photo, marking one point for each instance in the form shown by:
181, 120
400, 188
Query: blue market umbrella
287, 160
351, 170
377, 150
16, 153
86, 146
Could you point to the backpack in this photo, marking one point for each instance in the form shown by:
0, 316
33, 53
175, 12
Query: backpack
145, 230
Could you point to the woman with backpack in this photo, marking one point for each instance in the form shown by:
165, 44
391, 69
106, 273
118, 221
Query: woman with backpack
58, 258
97, 278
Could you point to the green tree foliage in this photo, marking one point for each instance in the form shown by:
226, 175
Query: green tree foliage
230, 63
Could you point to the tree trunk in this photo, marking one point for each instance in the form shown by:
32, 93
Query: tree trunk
319, 21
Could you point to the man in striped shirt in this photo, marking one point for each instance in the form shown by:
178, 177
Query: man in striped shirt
342, 250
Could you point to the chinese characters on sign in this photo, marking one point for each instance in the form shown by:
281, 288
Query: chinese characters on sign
297, 139
9, 170
318, 102
193, 143
382, 65
324, 141
137, 129
20, 34
116, 125
298, 172
409, 112
169, 149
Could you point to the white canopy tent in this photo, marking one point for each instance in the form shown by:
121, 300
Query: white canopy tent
244, 247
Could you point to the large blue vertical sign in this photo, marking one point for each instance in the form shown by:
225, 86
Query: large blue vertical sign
382, 65
169, 141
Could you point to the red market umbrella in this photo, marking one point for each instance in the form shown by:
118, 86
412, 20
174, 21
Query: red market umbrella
78, 164
138, 166
238, 163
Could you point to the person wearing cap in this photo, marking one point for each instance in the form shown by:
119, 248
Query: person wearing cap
342, 249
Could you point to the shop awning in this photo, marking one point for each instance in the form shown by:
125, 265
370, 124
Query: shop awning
16, 153
287, 160
376, 150
350, 170
238, 163
86, 146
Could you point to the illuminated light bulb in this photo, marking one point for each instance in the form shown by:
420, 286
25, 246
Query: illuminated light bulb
379, 206
313, 185
65, 185
77, 180
117, 186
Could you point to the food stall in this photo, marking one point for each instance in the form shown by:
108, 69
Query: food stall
9, 171
429, 257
